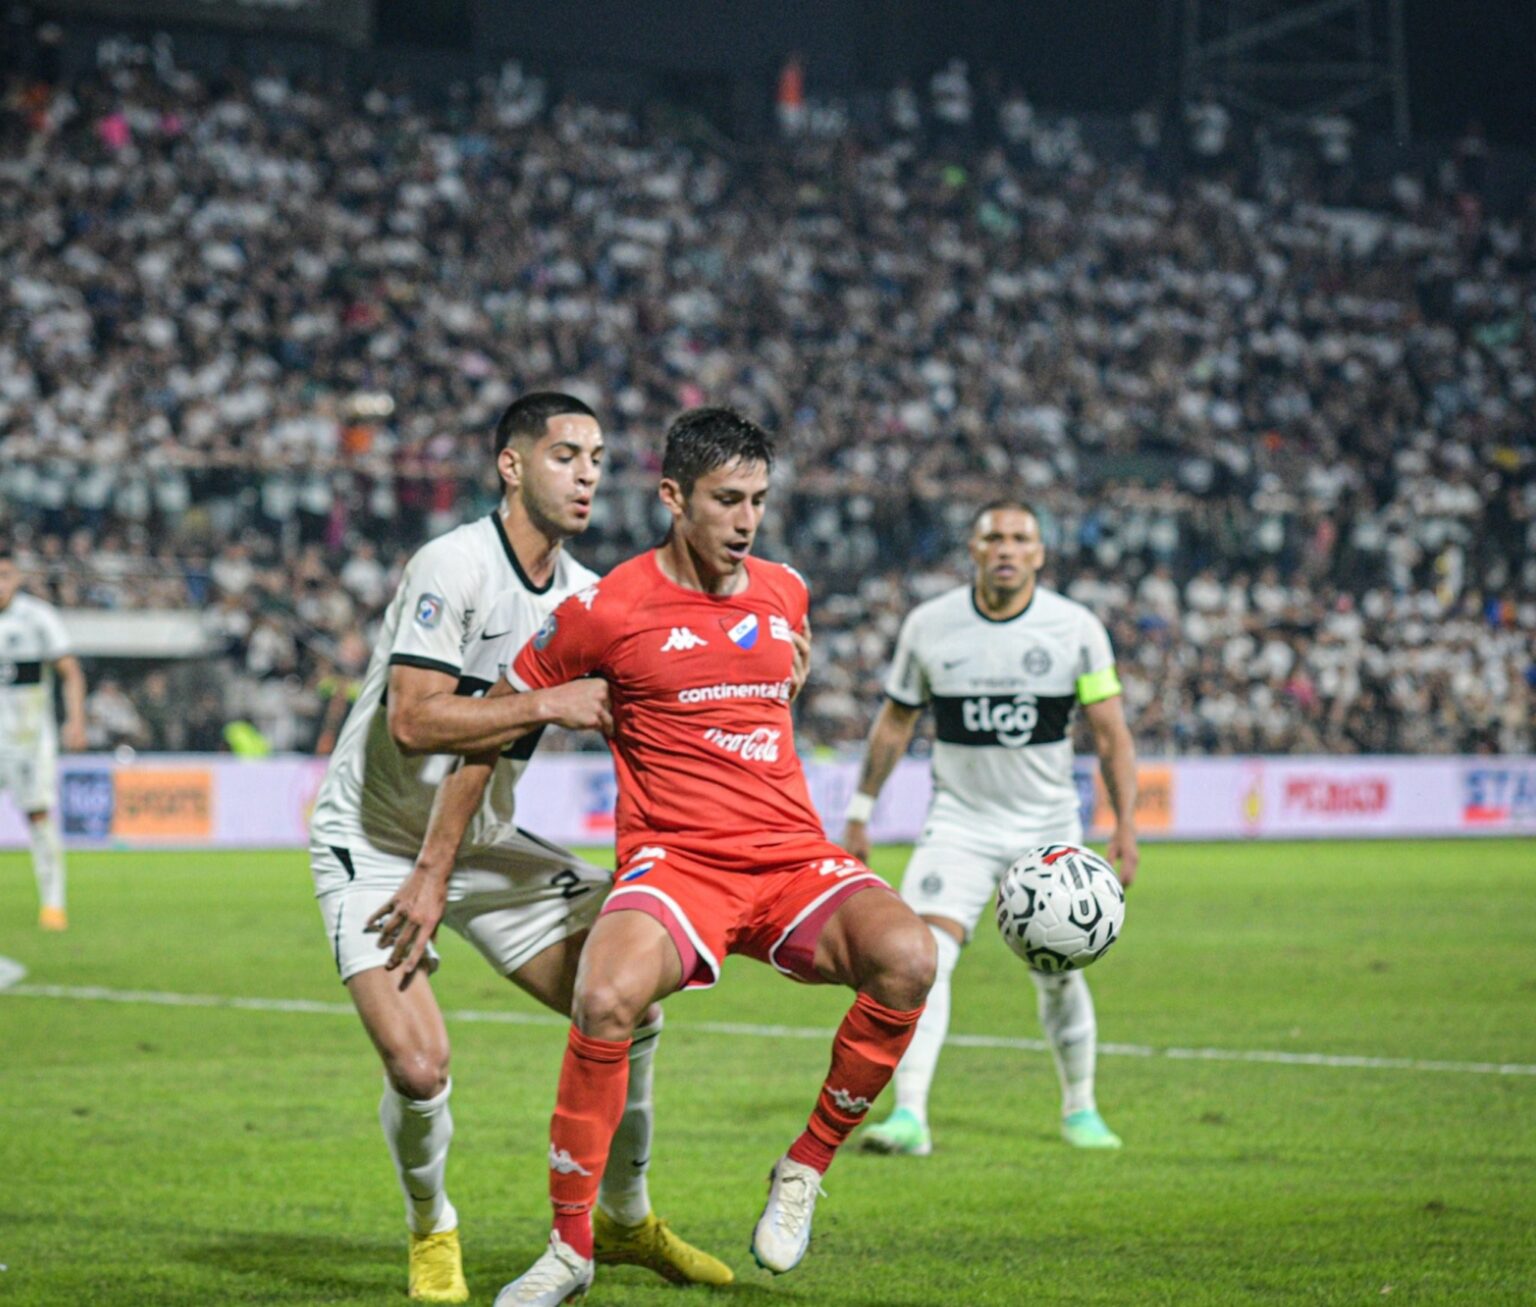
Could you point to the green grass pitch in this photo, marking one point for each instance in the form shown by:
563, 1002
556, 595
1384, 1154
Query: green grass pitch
176, 1154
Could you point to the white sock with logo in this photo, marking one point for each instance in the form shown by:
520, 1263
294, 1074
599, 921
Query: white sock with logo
47, 861
914, 1073
418, 1132
623, 1194
1066, 1012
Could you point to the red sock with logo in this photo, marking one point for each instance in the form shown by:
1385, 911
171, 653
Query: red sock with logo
593, 1081
865, 1052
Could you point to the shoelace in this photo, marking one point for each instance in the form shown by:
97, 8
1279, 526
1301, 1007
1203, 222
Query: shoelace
797, 1195
549, 1272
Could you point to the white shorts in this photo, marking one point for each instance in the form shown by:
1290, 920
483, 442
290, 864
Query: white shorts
948, 879
32, 779
511, 901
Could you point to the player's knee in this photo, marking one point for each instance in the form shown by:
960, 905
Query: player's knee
418, 1073
906, 966
606, 1009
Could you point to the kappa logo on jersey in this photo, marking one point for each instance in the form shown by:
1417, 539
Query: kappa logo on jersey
546, 633
649, 851
560, 1160
853, 1106
743, 634
681, 640
761, 745
778, 628
429, 611
838, 867
586, 598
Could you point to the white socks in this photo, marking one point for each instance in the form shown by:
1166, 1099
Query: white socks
418, 1133
47, 861
1066, 1012
623, 1194
914, 1073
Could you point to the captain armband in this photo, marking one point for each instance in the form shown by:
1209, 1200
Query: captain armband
1102, 684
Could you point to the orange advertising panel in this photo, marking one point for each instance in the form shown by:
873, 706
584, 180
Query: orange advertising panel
1154, 803
163, 805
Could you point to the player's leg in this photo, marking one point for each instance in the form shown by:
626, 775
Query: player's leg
649, 941
628, 963
1071, 1028
625, 1230
948, 887
406, 1027
33, 781
874, 943
48, 868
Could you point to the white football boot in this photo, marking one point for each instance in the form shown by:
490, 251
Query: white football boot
784, 1229
560, 1275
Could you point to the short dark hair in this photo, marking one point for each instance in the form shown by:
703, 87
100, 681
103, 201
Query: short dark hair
528, 418
997, 505
703, 439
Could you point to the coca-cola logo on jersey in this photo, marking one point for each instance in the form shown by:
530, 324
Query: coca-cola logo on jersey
761, 745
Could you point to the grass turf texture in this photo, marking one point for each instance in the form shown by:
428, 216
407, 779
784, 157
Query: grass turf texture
176, 1155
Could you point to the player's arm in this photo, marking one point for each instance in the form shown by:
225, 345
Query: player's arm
886, 746
800, 671
426, 715
407, 923
1117, 763
72, 681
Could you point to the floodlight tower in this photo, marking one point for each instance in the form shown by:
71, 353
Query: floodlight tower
1289, 61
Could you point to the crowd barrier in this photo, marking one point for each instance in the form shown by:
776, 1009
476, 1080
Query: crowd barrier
211, 801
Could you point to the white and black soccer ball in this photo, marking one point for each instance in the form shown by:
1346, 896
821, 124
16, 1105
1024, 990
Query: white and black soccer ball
1060, 907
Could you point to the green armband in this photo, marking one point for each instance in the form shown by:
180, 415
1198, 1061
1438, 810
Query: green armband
1102, 684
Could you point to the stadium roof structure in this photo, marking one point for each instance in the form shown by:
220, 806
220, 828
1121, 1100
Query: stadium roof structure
1291, 62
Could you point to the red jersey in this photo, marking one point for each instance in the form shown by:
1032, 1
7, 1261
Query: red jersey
703, 742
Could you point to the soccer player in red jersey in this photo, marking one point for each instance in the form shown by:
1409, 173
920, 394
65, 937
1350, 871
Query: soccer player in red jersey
719, 848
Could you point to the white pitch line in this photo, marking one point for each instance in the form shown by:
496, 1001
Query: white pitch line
162, 998
10, 972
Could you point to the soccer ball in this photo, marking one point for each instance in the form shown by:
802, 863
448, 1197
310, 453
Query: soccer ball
1060, 908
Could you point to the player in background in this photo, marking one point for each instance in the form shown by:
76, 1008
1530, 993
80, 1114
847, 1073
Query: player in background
33, 646
1004, 663
523, 903
719, 848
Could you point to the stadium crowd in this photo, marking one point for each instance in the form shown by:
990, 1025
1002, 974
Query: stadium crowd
254, 336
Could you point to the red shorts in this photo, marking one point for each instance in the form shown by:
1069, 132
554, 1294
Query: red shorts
775, 914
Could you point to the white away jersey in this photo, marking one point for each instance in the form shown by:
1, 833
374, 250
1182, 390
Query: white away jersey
462, 581
32, 639
1003, 695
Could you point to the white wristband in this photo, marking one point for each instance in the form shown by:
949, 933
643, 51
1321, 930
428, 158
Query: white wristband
861, 807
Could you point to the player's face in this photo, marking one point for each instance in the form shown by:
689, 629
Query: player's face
556, 476
719, 517
1007, 550
10, 581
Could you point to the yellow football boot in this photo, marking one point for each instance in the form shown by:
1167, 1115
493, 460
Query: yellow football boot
652, 1244
437, 1268
53, 919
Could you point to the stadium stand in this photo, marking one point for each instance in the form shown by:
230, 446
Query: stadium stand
1278, 426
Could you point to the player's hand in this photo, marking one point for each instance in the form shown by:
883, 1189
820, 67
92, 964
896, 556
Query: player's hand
856, 840
1123, 854
407, 923
580, 705
72, 736
801, 670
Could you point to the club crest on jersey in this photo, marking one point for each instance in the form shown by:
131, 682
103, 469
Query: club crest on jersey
429, 611
1037, 662
743, 634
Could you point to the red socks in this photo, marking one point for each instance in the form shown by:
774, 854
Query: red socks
865, 1052
593, 1081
